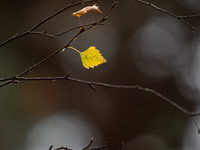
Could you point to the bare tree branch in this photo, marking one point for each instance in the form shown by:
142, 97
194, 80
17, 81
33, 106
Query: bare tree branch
78, 27
188, 16
63, 47
92, 85
84, 28
30, 31
181, 18
88, 147
195, 124
89, 144
44, 33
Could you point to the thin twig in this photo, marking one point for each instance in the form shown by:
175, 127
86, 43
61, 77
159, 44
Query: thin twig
164, 98
39, 63
80, 32
91, 84
18, 35
44, 33
62, 148
189, 16
50, 147
19, 77
5, 83
89, 144
104, 145
195, 124
60, 49
105, 16
171, 14
6, 79
78, 27
138, 87
48, 57
76, 80
85, 148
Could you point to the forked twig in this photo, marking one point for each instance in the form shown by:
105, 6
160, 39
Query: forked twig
60, 49
85, 148
44, 33
89, 144
19, 77
30, 31
93, 84
181, 18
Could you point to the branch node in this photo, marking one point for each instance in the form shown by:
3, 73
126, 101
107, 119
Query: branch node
72, 3
104, 19
15, 79
17, 34
102, 146
66, 77
92, 86
50, 147
115, 4
89, 144
82, 30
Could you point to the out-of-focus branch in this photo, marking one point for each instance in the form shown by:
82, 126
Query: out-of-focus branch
31, 30
88, 147
188, 16
181, 18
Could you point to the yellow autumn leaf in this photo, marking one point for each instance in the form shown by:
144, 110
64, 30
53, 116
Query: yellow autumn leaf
91, 57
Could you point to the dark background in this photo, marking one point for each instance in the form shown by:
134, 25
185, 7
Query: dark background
142, 45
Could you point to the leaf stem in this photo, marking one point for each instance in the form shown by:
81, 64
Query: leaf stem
79, 21
74, 49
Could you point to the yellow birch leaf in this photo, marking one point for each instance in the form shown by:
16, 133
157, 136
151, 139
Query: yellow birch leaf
91, 57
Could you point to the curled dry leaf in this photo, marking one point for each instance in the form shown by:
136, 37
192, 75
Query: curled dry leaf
86, 9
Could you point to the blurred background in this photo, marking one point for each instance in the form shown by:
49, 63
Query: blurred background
142, 46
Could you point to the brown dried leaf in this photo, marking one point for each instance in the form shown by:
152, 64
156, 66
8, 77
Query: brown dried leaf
86, 9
